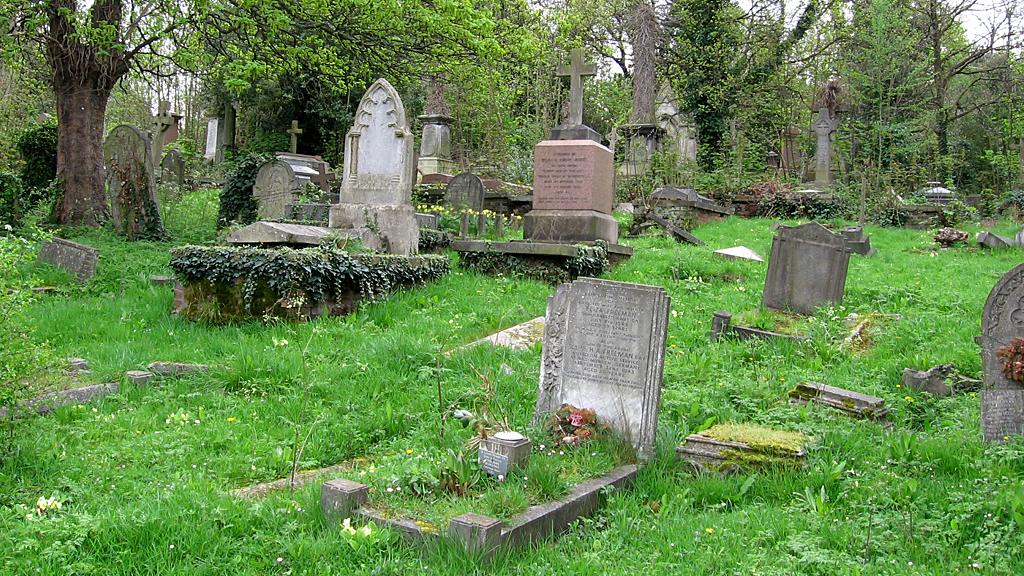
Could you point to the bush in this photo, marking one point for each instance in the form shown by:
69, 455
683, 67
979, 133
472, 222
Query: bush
38, 149
11, 191
781, 204
956, 213
237, 204
21, 358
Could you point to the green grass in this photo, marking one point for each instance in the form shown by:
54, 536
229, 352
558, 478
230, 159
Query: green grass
144, 475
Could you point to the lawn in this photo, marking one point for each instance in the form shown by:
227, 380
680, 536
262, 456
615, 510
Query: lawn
144, 477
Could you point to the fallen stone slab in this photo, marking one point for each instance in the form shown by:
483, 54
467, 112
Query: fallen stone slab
849, 402
739, 253
301, 479
78, 259
138, 377
280, 234
518, 337
162, 280
721, 326
176, 368
675, 231
731, 447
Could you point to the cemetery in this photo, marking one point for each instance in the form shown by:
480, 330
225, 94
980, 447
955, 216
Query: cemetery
537, 288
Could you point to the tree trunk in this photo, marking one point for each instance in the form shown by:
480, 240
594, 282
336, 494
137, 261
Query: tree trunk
644, 32
80, 111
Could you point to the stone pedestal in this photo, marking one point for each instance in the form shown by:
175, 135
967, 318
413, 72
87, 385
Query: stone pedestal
573, 190
574, 132
436, 145
642, 142
391, 228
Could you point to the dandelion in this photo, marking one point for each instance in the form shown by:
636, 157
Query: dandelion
44, 505
232, 419
709, 530
408, 450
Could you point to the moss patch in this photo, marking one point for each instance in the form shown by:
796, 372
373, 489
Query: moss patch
760, 438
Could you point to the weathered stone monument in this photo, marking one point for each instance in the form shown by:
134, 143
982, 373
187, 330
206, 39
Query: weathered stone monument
1002, 323
573, 177
165, 130
131, 184
827, 106
378, 176
309, 168
276, 188
791, 159
436, 140
465, 191
604, 347
172, 168
807, 268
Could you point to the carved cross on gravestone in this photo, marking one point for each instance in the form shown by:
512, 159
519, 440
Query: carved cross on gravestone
294, 132
576, 70
824, 128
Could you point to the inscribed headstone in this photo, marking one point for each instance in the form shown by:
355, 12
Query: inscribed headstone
604, 347
465, 191
172, 169
1002, 399
78, 259
807, 268
379, 171
212, 131
131, 184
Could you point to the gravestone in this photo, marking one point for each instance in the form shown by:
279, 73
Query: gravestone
131, 184
790, 150
293, 137
823, 129
212, 138
172, 169
573, 128
309, 168
604, 349
78, 259
276, 188
379, 171
465, 191
436, 145
807, 268
1002, 399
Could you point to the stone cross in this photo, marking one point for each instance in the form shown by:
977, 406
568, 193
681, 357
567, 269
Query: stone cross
824, 128
161, 122
576, 71
294, 132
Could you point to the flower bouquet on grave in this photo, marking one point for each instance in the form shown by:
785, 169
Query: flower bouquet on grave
1012, 356
572, 425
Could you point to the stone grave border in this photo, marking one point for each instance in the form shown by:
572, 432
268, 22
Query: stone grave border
50, 401
481, 534
849, 402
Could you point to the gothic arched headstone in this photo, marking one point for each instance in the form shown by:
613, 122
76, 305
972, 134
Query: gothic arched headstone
1002, 400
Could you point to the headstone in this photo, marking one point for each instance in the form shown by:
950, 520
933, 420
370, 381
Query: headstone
790, 150
991, 240
739, 253
1002, 399
172, 169
275, 189
807, 268
212, 138
933, 380
705, 208
465, 191
131, 184
679, 131
429, 221
676, 232
162, 124
379, 172
502, 452
293, 137
604, 349
858, 241
309, 168
78, 259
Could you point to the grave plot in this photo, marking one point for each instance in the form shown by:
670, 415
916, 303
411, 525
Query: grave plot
596, 413
732, 447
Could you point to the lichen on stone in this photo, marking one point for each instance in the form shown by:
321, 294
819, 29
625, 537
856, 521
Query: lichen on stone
760, 438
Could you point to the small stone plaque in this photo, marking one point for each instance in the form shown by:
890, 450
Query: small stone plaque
493, 463
502, 452
1002, 414
604, 347
78, 259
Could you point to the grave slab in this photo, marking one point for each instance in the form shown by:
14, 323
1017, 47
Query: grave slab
849, 402
739, 253
78, 259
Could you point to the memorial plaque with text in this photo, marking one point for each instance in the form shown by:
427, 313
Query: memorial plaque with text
604, 346
1002, 414
573, 175
1002, 322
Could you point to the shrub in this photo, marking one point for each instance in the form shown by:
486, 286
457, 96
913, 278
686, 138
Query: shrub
956, 213
237, 204
781, 204
38, 149
11, 191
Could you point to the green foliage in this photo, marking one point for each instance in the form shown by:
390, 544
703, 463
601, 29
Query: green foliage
956, 214
237, 205
11, 191
434, 240
798, 204
231, 284
38, 148
589, 261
